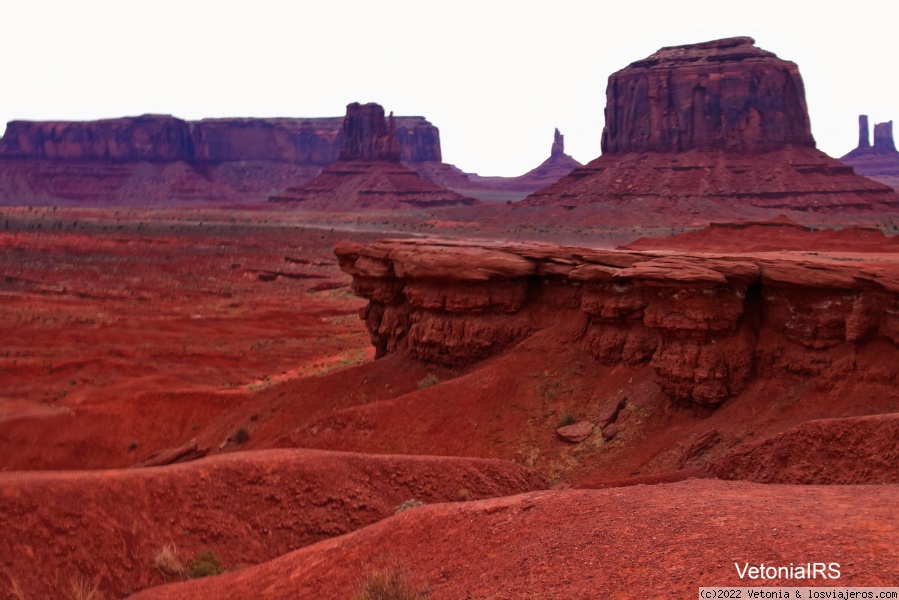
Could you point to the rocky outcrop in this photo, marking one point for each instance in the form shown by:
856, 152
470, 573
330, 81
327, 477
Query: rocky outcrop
880, 161
708, 324
695, 130
369, 174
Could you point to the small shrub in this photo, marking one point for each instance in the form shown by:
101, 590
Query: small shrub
16, 591
567, 419
410, 503
241, 436
428, 381
168, 563
464, 494
81, 589
204, 564
388, 584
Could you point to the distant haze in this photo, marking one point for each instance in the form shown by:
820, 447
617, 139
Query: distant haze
495, 76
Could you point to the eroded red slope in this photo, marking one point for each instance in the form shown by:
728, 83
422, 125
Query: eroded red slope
662, 541
108, 527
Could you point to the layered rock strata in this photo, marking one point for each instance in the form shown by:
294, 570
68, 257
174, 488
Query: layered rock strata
717, 123
708, 324
369, 174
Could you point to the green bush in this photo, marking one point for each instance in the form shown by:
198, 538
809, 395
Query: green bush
410, 503
567, 419
428, 381
204, 564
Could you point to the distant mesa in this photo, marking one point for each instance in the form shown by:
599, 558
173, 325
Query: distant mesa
879, 161
369, 174
696, 131
159, 159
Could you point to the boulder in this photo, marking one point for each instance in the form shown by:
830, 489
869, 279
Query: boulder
577, 432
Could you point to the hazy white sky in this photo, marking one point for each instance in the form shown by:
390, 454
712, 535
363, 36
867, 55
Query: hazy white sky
495, 76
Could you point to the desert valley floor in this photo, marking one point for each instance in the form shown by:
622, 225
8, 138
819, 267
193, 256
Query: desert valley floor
187, 386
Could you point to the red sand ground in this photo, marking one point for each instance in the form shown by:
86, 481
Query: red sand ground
167, 340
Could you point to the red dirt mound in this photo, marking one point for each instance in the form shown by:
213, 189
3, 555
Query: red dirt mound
109, 526
661, 541
826, 451
771, 236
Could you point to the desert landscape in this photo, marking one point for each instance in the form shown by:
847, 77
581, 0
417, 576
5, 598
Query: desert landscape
284, 358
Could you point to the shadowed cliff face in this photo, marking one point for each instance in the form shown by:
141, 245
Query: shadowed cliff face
724, 94
707, 324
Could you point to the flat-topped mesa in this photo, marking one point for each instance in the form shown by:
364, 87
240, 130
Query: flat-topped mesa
367, 135
155, 138
707, 324
725, 94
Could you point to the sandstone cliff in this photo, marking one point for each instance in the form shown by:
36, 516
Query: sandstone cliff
708, 324
695, 130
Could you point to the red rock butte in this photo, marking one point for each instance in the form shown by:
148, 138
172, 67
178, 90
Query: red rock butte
369, 174
698, 127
